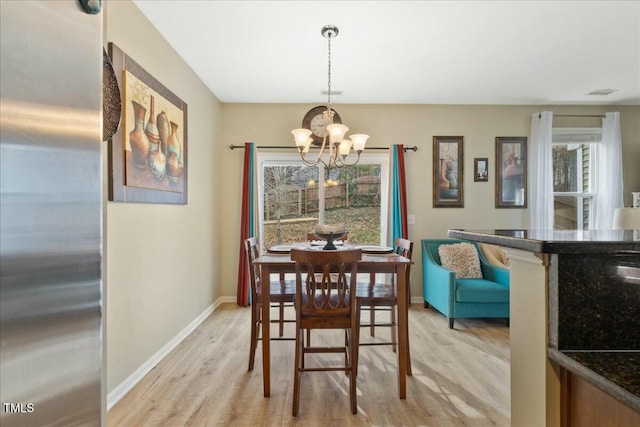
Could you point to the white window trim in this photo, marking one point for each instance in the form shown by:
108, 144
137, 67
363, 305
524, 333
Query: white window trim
293, 159
591, 136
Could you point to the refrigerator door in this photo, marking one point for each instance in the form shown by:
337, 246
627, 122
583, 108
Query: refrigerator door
50, 214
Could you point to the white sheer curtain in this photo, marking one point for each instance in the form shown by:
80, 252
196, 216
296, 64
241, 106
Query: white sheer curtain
608, 186
541, 172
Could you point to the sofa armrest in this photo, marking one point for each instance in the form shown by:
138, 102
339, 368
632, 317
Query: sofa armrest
495, 274
438, 283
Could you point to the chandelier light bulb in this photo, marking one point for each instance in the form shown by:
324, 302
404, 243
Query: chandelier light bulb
344, 147
336, 132
301, 136
359, 141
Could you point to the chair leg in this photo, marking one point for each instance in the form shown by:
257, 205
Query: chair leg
296, 373
407, 333
347, 351
451, 319
355, 340
506, 321
372, 317
355, 333
303, 344
408, 352
394, 323
281, 330
255, 325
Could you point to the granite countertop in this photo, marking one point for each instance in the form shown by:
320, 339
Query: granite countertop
556, 241
614, 372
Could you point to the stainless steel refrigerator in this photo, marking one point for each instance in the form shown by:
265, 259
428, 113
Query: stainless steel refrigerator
50, 214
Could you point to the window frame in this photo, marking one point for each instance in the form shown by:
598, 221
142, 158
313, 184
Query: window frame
580, 136
293, 159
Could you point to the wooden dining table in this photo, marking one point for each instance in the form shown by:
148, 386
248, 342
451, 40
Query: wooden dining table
370, 263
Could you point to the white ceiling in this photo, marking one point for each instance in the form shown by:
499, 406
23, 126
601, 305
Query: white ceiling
409, 52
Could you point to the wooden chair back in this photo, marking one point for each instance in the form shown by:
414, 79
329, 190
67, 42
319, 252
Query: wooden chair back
324, 280
253, 251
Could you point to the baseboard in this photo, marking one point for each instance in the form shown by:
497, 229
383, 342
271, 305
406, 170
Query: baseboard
133, 379
417, 300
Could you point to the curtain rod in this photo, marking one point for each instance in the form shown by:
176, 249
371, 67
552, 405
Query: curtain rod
287, 147
579, 115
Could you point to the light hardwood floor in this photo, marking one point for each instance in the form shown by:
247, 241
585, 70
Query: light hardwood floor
460, 378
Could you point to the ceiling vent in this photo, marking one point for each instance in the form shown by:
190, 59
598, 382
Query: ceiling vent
603, 92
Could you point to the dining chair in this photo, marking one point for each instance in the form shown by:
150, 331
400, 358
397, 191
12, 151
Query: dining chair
311, 236
372, 296
326, 304
282, 293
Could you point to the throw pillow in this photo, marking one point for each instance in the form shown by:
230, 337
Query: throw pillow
462, 259
503, 257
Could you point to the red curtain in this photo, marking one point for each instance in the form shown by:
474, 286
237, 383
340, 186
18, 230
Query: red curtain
246, 225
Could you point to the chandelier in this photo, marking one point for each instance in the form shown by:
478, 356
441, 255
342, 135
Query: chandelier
339, 147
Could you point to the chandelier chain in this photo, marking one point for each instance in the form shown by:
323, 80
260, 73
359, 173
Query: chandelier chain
329, 73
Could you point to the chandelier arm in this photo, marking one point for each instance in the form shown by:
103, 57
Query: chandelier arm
344, 163
307, 162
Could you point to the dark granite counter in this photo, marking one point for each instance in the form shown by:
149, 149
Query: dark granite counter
593, 301
556, 241
617, 373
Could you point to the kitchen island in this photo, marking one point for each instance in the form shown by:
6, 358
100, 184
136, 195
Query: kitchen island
575, 321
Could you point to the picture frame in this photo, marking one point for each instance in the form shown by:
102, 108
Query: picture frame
481, 169
148, 152
511, 172
448, 172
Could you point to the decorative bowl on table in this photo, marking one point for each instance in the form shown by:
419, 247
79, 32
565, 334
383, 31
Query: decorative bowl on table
330, 233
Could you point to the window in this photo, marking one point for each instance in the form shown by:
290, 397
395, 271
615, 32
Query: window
574, 163
294, 198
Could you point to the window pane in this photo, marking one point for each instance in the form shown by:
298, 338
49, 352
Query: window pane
292, 208
565, 172
571, 167
290, 203
571, 213
352, 198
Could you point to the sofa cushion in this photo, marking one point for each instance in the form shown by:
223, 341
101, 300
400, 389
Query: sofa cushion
480, 290
462, 259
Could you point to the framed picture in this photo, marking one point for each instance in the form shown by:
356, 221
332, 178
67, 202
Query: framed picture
448, 176
148, 152
511, 172
481, 169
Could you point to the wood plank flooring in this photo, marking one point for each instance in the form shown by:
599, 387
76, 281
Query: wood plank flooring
460, 378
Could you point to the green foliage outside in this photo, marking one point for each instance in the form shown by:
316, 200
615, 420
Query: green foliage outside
362, 223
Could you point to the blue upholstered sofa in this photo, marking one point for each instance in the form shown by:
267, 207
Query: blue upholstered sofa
463, 298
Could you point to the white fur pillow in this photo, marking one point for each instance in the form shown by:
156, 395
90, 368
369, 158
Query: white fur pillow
462, 259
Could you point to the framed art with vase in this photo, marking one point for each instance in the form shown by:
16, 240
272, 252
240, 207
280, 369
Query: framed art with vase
481, 169
448, 172
511, 172
148, 152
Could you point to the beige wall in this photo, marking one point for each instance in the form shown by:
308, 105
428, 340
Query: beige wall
412, 125
161, 265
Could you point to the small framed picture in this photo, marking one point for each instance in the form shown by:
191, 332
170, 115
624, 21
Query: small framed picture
511, 172
448, 176
481, 169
